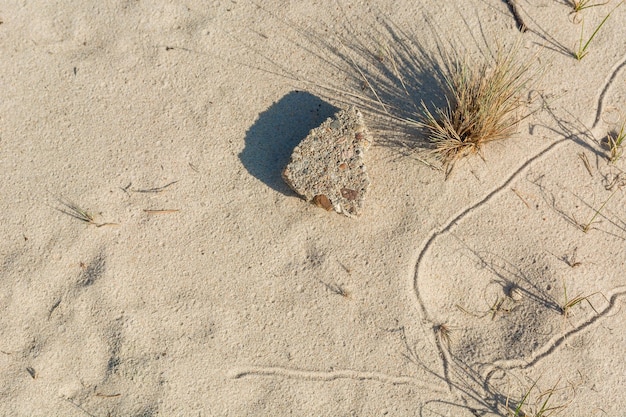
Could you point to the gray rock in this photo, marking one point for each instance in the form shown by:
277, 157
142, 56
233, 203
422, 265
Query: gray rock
327, 167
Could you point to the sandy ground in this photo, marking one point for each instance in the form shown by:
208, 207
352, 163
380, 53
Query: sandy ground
207, 288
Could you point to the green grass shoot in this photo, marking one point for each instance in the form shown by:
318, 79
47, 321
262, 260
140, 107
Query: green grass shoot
582, 49
572, 302
74, 210
542, 407
580, 5
586, 227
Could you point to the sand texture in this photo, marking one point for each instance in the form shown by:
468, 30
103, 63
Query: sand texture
198, 284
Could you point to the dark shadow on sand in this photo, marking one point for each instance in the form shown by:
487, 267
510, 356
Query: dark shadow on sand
277, 131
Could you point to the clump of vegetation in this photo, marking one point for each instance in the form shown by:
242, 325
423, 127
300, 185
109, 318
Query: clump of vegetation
483, 105
443, 333
571, 302
582, 49
587, 227
579, 5
614, 142
543, 405
74, 210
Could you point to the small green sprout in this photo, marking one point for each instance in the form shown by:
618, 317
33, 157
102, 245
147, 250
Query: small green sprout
582, 49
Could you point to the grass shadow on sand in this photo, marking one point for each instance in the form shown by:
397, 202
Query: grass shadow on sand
382, 69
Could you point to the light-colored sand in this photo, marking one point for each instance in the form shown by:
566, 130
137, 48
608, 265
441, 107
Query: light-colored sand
228, 306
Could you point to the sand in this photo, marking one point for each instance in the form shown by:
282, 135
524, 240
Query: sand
205, 287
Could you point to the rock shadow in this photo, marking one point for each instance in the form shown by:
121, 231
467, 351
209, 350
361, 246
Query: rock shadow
277, 131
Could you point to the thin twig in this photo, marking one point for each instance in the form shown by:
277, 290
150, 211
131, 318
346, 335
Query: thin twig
162, 211
336, 289
517, 193
155, 189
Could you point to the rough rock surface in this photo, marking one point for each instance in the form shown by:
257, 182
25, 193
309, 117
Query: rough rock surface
327, 167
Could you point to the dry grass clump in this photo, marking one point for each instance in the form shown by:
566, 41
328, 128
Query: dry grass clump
614, 141
483, 105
